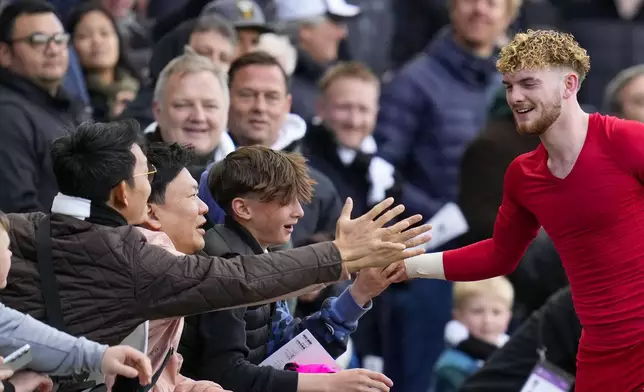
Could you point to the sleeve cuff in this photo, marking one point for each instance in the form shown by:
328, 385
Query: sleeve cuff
347, 308
284, 381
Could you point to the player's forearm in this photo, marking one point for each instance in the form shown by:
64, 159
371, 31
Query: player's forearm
474, 262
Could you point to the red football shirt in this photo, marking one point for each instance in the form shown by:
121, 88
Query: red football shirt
595, 218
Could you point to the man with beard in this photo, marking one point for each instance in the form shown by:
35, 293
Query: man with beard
583, 184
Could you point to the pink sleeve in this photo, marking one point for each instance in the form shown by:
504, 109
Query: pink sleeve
514, 229
627, 143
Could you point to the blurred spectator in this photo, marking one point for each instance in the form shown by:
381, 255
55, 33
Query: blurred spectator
134, 32
259, 114
247, 17
214, 37
193, 8
429, 113
33, 107
624, 95
555, 328
316, 27
341, 146
482, 312
173, 45
191, 108
280, 47
370, 36
438, 102
416, 24
102, 56
612, 34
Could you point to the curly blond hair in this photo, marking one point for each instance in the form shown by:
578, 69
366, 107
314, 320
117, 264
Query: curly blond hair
541, 49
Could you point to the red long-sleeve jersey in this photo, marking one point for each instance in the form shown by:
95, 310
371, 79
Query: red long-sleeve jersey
595, 218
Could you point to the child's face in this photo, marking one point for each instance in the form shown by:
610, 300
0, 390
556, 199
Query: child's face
5, 258
485, 316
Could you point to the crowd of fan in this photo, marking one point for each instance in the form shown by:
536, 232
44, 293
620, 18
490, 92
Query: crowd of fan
202, 113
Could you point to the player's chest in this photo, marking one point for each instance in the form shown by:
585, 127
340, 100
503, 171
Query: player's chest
589, 197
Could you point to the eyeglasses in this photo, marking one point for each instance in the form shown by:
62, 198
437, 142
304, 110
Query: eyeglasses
42, 40
150, 173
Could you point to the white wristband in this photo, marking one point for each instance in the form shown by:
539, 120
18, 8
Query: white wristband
426, 266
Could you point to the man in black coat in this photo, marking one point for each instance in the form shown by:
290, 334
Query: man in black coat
33, 106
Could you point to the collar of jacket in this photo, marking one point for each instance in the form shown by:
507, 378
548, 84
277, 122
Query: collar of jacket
463, 64
61, 101
243, 234
83, 209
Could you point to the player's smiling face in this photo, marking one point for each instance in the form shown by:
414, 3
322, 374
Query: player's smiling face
535, 99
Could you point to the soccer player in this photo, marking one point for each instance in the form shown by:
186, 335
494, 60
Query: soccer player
584, 185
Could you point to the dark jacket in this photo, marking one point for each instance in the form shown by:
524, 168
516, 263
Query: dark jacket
351, 180
429, 113
509, 368
304, 85
226, 346
110, 280
30, 120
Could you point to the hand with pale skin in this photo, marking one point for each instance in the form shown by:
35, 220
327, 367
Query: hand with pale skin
27, 381
364, 242
127, 362
354, 380
5, 373
370, 282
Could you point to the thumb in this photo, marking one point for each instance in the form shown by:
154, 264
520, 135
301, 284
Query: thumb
346, 210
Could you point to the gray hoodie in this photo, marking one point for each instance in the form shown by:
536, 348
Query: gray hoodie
53, 352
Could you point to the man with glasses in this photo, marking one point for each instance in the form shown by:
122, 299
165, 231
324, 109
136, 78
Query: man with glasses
34, 109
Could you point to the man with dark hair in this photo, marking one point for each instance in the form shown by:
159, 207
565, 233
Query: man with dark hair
175, 217
259, 114
33, 106
261, 190
110, 280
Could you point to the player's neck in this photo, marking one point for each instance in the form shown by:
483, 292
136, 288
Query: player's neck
565, 139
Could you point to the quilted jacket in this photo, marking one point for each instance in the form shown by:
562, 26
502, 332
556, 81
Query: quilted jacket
111, 280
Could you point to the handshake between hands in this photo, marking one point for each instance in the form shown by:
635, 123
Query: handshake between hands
364, 242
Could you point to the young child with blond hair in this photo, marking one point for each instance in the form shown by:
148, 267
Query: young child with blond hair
481, 314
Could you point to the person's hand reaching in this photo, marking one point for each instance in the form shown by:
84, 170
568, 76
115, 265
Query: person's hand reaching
366, 236
27, 381
127, 362
383, 252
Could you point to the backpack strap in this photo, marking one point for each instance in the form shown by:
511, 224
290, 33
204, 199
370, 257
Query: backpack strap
48, 284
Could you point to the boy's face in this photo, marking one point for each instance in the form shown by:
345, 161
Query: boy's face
5, 258
271, 223
486, 317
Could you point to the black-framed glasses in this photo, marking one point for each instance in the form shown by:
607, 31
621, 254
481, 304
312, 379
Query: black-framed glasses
42, 40
150, 173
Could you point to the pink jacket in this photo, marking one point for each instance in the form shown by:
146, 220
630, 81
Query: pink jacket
166, 333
